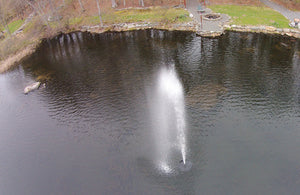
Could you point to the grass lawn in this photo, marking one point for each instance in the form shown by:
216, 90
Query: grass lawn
250, 15
13, 26
151, 15
155, 14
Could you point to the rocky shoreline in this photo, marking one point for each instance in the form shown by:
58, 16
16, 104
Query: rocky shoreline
264, 29
191, 26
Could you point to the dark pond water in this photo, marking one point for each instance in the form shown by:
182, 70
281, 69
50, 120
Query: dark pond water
88, 131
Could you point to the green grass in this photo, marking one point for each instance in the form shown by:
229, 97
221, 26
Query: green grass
136, 15
250, 15
13, 26
151, 15
73, 21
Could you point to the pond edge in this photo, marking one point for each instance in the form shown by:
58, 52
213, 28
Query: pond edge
16, 59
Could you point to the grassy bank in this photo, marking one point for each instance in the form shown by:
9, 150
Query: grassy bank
152, 15
13, 26
250, 15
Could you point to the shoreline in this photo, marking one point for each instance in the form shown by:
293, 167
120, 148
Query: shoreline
265, 29
15, 59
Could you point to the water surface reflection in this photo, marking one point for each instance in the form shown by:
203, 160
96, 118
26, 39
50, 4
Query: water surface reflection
89, 130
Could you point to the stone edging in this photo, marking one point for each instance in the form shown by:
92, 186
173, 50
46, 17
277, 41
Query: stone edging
216, 19
189, 26
255, 29
264, 29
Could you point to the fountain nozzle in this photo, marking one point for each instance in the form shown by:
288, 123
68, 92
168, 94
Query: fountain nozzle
185, 166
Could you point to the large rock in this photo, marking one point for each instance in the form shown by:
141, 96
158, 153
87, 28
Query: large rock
270, 28
32, 87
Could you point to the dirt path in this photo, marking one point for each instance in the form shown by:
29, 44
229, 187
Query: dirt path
291, 15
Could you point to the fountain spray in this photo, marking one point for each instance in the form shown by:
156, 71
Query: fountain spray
171, 99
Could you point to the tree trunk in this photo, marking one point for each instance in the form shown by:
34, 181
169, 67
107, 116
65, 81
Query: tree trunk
39, 10
99, 12
51, 6
113, 4
52, 10
141, 3
124, 3
43, 15
81, 6
4, 24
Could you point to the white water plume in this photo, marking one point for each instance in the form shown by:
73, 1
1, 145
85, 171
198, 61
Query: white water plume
169, 115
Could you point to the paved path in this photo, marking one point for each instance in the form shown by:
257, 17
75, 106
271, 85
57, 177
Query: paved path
291, 15
207, 26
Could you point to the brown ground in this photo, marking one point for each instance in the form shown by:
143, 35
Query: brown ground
106, 4
237, 2
11, 61
290, 4
91, 6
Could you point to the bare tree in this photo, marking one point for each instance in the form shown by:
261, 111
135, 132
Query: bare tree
81, 6
54, 14
51, 7
20, 7
4, 24
141, 2
38, 7
113, 4
99, 13
4, 14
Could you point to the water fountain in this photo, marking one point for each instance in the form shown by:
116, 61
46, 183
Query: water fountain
169, 125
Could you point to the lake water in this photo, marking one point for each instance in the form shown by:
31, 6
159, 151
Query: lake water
89, 129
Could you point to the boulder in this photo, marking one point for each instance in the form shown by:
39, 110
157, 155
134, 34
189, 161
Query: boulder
32, 87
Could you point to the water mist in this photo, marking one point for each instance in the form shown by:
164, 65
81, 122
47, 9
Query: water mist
168, 112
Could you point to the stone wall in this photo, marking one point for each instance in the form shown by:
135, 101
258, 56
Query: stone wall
264, 29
